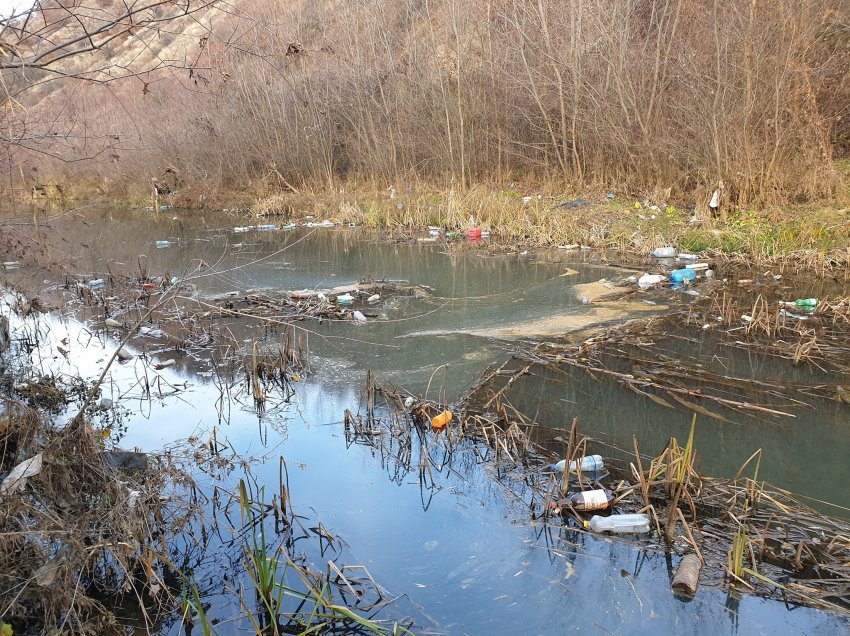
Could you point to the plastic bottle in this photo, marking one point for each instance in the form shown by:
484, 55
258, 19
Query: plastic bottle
97, 283
664, 252
648, 280
163, 244
440, 421
598, 499
806, 302
588, 464
344, 299
683, 274
623, 524
715, 201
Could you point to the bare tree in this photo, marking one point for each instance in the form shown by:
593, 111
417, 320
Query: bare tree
53, 47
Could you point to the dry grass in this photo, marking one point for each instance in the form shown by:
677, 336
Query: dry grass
670, 97
81, 534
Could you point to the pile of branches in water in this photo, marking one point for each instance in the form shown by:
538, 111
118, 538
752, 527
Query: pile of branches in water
340, 303
744, 532
819, 336
652, 357
98, 541
79, 532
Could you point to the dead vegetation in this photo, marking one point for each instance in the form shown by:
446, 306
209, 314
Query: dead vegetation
80, 535
747, 534
666, 99
98, 540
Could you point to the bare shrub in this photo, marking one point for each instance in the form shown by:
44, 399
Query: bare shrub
645, 95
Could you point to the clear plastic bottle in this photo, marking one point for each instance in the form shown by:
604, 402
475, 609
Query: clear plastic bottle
598, 499
664, 252
588, 464
623, 524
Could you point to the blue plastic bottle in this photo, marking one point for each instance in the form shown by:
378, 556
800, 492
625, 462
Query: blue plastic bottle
681, 275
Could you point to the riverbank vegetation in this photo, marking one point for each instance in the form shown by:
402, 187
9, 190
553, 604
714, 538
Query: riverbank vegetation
660, 101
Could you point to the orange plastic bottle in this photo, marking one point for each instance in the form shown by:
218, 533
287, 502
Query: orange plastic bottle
440, 421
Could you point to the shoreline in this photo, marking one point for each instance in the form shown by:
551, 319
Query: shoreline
812, 240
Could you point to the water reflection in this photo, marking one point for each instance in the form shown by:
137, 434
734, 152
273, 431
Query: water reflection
459, 543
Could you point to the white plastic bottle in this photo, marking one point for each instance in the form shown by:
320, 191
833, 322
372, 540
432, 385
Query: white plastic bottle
588, 464
664, 252
623, 524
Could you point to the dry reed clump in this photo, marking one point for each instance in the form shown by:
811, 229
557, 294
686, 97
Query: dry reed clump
80, 535
747, 534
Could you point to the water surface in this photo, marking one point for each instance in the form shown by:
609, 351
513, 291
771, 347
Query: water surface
465, 550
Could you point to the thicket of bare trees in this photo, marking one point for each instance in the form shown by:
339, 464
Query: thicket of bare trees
642, 94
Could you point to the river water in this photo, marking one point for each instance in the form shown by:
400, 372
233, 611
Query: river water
464, 554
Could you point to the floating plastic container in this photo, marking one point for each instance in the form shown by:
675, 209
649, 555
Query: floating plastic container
441, 420
697, 266
681, 275
806, 302
621, 524
97, 283
345, 299
473, 233
268, 227
648, 280
598, 499
589, 463
163, 244
664, 252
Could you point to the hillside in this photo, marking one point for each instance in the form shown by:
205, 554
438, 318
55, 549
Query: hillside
645, 96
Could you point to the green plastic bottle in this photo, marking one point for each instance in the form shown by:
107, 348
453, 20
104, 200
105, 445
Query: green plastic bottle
806, 302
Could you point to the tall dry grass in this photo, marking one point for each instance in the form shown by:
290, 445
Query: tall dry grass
649, 96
